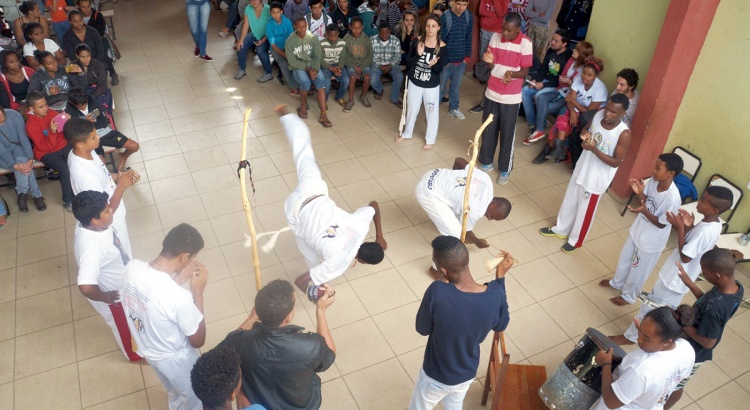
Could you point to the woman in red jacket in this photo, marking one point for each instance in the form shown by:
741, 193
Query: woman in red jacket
50, 145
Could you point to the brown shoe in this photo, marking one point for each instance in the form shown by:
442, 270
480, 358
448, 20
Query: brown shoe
40, 205
21, 201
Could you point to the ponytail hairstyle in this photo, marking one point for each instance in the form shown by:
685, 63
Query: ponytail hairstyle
423, 37
671, 321
585, 50
596, 63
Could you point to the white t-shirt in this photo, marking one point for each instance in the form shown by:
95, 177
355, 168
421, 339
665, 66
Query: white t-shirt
698, 241
448, 186
92, 175
647, 236
318, 27
161, 314
334, 234
644, 381
597, 92
99, 260
591, 172
49, 45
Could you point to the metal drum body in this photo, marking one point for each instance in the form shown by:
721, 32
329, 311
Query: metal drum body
576, 383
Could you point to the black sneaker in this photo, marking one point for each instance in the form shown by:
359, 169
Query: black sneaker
444, 100
549, 232
477, 108
568, 248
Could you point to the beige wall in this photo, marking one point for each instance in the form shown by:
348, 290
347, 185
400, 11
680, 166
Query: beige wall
713, 120
624, 34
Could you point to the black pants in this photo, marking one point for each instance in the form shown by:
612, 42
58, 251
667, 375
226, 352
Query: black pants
107, 60
58, 161
502, 127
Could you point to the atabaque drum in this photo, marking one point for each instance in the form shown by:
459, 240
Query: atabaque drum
576, 383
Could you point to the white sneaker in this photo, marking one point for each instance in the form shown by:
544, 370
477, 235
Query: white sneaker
240, 74
456, 113
265, 77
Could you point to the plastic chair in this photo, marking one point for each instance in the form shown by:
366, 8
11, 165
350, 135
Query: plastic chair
737, 193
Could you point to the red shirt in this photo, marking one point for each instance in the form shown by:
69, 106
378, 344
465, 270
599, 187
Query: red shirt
509, 55
45, 141
59, 14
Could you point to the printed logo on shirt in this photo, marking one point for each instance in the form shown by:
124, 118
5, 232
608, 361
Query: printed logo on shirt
554, 67
303, 50
460, 182
431, 179
586, 195
136, 322
423, 71
136, 302
331, 232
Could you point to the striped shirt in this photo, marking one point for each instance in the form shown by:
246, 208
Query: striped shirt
385, 53
332, 52
509, 55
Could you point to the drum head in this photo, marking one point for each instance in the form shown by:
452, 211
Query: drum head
604, 343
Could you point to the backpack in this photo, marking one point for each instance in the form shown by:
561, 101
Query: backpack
449, 21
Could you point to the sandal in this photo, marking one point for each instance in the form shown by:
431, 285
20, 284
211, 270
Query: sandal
299, 112
363, 99
224, 33
325, 123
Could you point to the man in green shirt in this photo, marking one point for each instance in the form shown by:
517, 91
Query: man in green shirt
303, 55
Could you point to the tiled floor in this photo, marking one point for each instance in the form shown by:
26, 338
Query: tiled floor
55, 352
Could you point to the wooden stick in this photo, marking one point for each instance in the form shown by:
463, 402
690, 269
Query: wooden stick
472, 163
246, 204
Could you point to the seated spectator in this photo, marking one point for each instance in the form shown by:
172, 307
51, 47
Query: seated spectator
80, 33
95, 74
15, 78
545, 80
30, 13
342, 16
396, 10
93, 18
317, 19
279, 361
52, 82
332, 63
253, 37
81, 105
406, 31
58, 10
35, 40
369, 11
294, 9
587, 93
50, 145
278, 31
233, 19
16, 155
216, 379
357, 60
386, 55
457, 26
437, 9
304, 54
627, 80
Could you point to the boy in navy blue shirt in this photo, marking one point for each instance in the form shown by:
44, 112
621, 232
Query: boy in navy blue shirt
451, 357
713, 309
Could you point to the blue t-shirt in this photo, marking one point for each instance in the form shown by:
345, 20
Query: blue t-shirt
456, 323
277, 33
255, 407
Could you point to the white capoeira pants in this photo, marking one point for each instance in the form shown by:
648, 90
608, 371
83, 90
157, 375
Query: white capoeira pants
633, 269
174, 374
309, 182
576, 214
415, 96
122, 334
661, 295
439, 212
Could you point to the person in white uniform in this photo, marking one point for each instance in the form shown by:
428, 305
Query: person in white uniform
89, 173
650, 231
648, 375
692, 242
328, 237
440, 193
101, 262
166, 321
605, 144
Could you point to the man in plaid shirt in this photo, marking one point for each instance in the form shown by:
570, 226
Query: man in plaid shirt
386, 54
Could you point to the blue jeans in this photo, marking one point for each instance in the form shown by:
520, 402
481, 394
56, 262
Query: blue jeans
26, 184
60, 28
198, 19
454, 73
546, 103
343, 80
261, 51
305, 82
398, 79
233, 16
527, 98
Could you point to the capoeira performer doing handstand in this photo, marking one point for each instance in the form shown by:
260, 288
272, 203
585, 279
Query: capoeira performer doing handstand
328, 237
